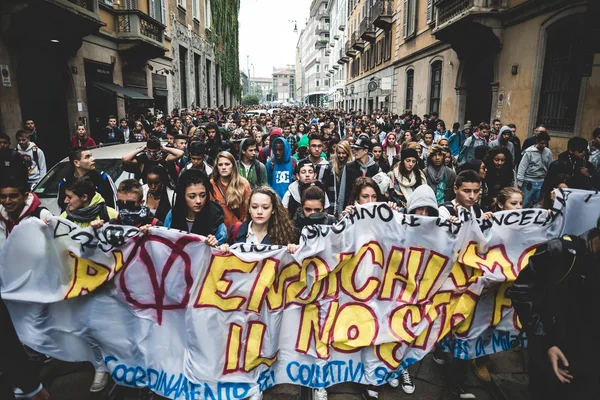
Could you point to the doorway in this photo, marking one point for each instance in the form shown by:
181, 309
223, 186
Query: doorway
42, 78
478, 76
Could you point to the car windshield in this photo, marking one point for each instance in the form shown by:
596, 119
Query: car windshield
48, 187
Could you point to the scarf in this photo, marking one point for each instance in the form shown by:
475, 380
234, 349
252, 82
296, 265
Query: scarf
86, 214
435, 176
404, 185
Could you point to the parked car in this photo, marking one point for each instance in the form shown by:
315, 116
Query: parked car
108, 159
255, 113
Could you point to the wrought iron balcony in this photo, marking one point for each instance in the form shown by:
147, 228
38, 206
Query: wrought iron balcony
382, 14
449, 11
350, 51
321, 44
139, 33
342, 26
357, 42
343, 58
90, 5
367, 30
321, 29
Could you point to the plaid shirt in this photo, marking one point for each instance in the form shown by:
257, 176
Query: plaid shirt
292, 141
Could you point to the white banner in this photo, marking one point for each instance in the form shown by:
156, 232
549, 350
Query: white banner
359, 301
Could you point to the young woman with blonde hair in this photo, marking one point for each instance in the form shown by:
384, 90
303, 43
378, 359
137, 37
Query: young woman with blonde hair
231, 191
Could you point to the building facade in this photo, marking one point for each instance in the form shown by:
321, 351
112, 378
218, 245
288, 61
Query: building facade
338, 16
314, 48
284, 86
103, 58
263, 88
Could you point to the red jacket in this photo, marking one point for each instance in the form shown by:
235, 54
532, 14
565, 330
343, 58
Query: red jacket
77, 142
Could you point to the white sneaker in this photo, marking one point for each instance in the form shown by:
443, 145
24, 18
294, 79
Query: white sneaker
394, 382
319, 394
256, 396
100, 381
407, 383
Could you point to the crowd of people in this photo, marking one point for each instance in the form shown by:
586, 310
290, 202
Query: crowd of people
236, 177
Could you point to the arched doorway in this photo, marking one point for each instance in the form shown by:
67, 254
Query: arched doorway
477, 79
42, 75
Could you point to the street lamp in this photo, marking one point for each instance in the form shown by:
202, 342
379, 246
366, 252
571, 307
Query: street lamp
295, 25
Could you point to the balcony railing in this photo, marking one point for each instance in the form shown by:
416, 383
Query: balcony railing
357, 42
87, 4
320, 44
350, 52
450, 9
382, 13
367, 30
131, 23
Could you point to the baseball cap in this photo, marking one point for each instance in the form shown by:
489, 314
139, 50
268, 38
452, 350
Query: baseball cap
363, 142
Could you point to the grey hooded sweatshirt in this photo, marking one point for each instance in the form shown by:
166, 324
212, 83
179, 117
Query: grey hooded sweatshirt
423, 196
534, 165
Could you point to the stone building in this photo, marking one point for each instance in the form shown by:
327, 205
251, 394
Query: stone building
284, 86
338, 16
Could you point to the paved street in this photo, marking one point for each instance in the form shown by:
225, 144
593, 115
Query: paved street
509, 382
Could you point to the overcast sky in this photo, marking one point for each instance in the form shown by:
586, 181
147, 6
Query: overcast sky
267, 36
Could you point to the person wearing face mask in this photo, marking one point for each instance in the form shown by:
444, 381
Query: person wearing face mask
153, 153
405, 177
194, 212
312, 209
305, 177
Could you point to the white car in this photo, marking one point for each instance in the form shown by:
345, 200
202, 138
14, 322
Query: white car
108, 159
255, 113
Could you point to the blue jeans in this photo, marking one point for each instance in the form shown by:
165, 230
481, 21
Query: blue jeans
531, 193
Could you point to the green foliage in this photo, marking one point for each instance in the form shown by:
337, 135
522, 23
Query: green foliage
249, 100
223, 34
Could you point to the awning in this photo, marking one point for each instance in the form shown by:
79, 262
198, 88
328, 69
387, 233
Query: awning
117, 89
158, 92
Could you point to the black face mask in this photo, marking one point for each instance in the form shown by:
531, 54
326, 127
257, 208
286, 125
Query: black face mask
133, 216
314, 219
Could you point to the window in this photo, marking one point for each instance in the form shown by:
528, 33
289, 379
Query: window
326, 82
436, 86
410, 84
318, 83
183, 75
409, 22
207, 14
157, 10
195, 9
109, 2
181, 3
430, 11
561, 78
318, 68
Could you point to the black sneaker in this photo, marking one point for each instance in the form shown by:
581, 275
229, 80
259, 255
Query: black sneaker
439, 357
145, 394
369, 393
461, 393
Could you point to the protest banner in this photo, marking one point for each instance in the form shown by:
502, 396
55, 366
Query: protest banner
359, 302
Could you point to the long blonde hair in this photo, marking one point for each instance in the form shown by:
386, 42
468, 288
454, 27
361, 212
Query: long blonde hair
336, 165
234, 195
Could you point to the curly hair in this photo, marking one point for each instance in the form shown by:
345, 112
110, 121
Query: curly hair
502, 177
281, 229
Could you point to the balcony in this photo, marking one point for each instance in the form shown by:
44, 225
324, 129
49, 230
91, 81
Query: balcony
336, 37
382, 14
331, 44
321, 29
357, 43
350, 51
34, 22
342, 26
469, 24
139, 35
336, 67
367, 30
343, 58
327, 52
321, 44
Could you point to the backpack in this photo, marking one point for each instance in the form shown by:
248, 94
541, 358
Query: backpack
37, 213
35, 155
234, 232
452, 210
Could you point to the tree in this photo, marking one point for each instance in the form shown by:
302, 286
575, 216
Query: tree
249, 99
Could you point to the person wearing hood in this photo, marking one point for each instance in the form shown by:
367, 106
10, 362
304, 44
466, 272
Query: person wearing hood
34, 158
214, 142
573, 163
265, 152
197, 156
533, 169
504, 140
311, 210
439, 177
302, 149
405, 177
305, 177
85, 205
477, 139
422, 202
249, 167
280, 166
81, 138
194, 212
456, 138
362, 166
17, 205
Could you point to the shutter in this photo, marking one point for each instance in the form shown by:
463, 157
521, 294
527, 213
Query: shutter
412, 23
163, 12
429, 11
405, 19
152, 9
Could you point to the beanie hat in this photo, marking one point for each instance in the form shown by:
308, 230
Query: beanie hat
275, 132
407, 153
197, 149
